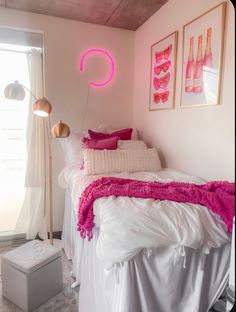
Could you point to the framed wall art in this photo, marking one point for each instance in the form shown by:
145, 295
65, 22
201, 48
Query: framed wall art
163, 73
203, 40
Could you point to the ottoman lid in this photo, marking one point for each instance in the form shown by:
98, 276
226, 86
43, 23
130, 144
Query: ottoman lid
31, 256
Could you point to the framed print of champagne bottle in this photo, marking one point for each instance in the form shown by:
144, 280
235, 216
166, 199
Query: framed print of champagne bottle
202, 58
163, 71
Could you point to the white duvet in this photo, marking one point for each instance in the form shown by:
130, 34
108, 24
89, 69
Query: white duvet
128, 225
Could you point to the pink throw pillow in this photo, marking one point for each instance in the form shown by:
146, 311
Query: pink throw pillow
124, 134
109, 143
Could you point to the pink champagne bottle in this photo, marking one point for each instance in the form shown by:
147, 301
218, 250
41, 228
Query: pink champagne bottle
198, 73
208, 61
190, 68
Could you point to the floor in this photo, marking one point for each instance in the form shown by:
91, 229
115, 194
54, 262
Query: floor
66, 301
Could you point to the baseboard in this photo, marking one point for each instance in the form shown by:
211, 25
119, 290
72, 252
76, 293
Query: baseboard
56, 235
11, 239
12, 242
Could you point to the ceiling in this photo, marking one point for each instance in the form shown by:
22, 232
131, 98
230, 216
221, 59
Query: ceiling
126, 14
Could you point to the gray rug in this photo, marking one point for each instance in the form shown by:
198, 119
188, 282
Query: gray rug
65, 301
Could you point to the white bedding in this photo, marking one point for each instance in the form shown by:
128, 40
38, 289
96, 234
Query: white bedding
128, 225
147, 283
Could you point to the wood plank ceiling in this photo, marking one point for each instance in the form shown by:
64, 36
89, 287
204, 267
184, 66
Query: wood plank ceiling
126, 14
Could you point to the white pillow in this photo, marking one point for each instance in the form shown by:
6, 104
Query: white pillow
134, 135
72, 147
109, 161
100, 129
131, 144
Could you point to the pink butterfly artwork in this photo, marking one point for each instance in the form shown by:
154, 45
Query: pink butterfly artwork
161, 82
162, 67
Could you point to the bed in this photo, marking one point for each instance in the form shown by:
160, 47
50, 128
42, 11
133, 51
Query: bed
141, 278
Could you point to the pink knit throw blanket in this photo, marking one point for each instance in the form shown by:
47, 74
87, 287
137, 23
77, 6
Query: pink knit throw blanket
217, 196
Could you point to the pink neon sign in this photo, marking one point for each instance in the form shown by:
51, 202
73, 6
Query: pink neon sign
109, 57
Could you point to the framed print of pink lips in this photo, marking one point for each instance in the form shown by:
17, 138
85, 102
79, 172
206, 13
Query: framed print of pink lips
110, 59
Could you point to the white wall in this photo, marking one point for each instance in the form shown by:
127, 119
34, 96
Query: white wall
198, 140
66, 87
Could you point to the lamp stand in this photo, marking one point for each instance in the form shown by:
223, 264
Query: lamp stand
50, 199
50, 183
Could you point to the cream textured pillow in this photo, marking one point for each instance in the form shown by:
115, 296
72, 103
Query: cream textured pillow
108, 161
131, 144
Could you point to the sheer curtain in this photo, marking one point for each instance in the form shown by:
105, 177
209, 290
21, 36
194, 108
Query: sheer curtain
32, 219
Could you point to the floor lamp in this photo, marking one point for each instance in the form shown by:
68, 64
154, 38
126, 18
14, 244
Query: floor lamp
41, 108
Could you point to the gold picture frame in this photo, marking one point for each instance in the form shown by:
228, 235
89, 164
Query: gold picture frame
163, 73
202, 58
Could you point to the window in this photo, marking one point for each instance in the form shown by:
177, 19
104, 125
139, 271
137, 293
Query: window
15, 46
13, 117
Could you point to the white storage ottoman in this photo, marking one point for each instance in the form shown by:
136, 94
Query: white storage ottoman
31, 274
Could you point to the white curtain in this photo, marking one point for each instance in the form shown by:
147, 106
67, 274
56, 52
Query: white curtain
32, 219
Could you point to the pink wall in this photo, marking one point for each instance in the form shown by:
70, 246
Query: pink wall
198, 140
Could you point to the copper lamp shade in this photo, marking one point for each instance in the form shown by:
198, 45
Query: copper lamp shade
14, 91
60, 130
42, 107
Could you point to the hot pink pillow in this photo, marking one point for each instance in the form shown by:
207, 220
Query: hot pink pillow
109, 143
124, 134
